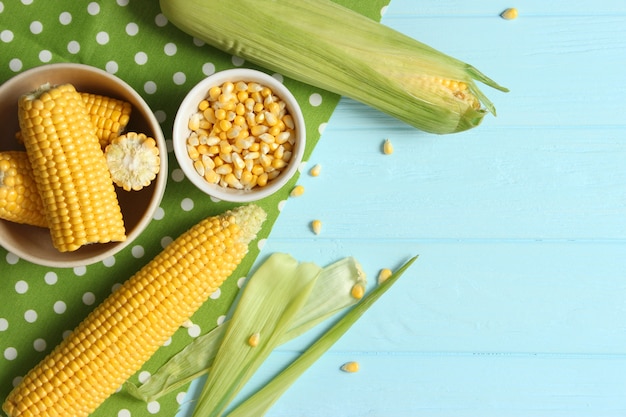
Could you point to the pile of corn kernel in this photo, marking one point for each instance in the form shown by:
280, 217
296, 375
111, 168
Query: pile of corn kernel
242, 135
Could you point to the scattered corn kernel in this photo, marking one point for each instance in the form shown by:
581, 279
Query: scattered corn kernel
387, 147
316, 225
315, 171
350, 367
250, 123
383, 275
509, 14
297, 191
357, 291
254, 339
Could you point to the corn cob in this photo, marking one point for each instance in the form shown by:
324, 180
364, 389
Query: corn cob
108, 115
133, 160
19, 200
119, 336
334, 48
69, 169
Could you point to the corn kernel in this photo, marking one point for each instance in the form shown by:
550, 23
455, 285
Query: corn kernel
254, 339
509, 14
297, 191
383, 275
387, 147
357, 291
350, 367
315, 171
316, 226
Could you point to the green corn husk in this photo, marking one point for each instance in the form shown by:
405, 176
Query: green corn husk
261, 401
330, 294
334, 48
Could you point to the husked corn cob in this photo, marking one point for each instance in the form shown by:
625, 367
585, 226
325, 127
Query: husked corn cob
123, 332
108, 115
69, 169
19, 200
133, 160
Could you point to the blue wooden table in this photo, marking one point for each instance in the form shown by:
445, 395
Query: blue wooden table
517, 304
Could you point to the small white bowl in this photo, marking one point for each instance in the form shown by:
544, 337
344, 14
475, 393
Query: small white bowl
189, 106
34, 243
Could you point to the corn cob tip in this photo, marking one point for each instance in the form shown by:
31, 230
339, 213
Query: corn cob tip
250, 218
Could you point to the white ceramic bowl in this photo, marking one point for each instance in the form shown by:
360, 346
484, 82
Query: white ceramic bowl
34, 243
189, 106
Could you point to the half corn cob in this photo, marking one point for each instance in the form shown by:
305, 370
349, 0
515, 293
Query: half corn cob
121, 334
108, 115
334, 48
19, 200
133, 160
69, 168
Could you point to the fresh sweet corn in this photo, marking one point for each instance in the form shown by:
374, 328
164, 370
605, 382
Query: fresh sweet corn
108, 115
334, 48
133, 160
119, 336
69, 168
19, 200
242, 135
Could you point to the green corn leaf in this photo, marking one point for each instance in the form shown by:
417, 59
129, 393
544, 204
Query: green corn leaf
260, 402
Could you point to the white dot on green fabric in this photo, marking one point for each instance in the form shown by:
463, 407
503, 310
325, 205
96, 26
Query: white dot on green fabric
93, 8
50, 278
45, 55
322, 127
10, 353
12, 258
237, 61
194, 330
159, 214
198, 42
165, 241
65, 18
39, 345
179, 78
261, 243
123, 413
73, 47
30, 316
143, 376
102, 38
15, 64
111, 67
170, 49
216, 294
160, 20
241, 281
315, 99
141, 58
221, 319
59, 307
180, 397
178, 175
21, 287
150, 87
6, 36
153, 407
161, 116
36, 27
89, 298
122, 3
208, 68
1, 7
27, 2
137, 251
80, 271
186, 204
4, 324
109, 261
132, 29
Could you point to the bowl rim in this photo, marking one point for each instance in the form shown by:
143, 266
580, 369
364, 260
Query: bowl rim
160, 180
188, 106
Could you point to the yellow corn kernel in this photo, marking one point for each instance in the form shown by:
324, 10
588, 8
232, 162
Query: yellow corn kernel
19, 200
387, 147
350, 367
316, 226
509, 14
315, 171
254, 339
357, 291
69, 168
383, 275
133, 160
297, 191
109, 116
127, 328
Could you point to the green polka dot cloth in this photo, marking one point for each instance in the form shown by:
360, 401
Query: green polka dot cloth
133, 40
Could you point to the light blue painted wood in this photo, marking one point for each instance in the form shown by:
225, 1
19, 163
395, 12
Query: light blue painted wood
517, 304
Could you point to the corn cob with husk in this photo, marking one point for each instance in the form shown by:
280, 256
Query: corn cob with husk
334, 48
19, 200
123, 332
69, 168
